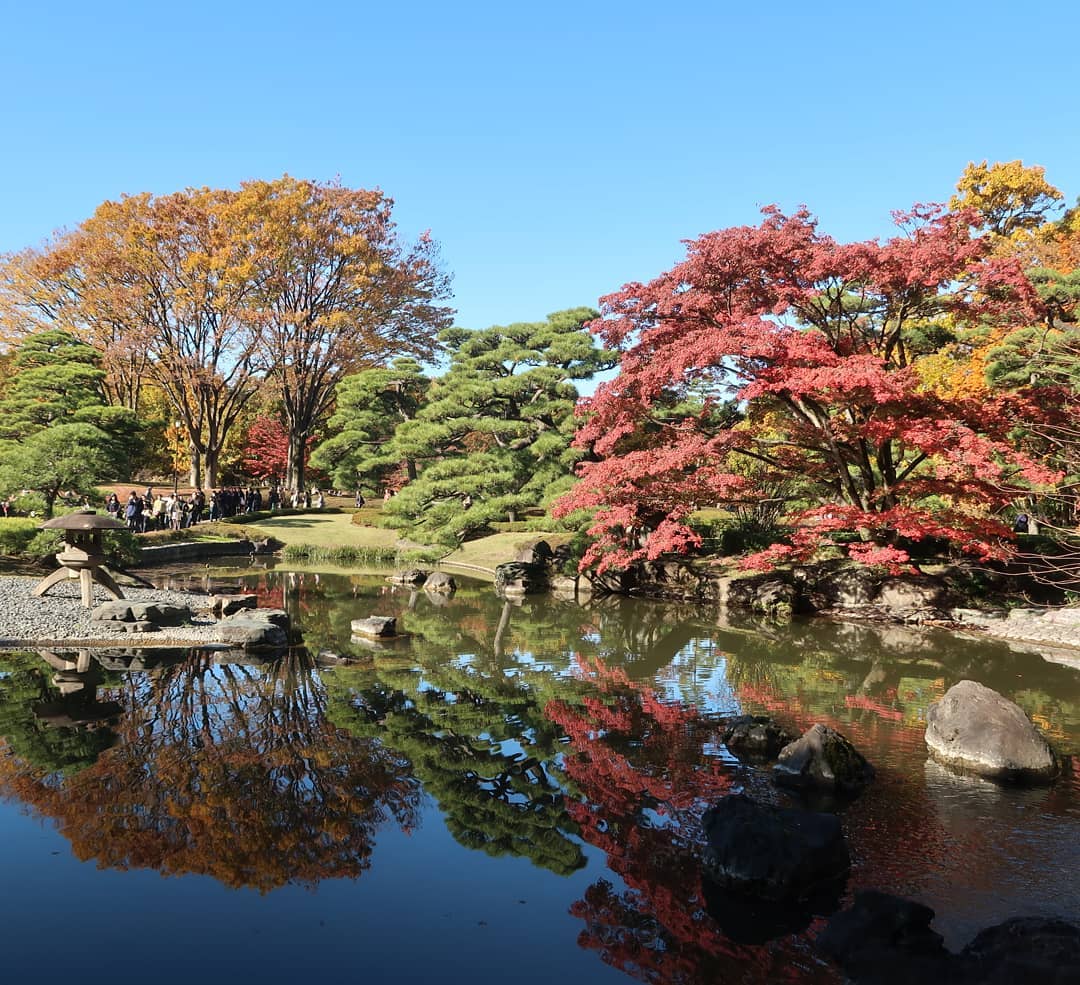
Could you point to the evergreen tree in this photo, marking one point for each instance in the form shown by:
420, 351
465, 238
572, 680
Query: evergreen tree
56, 431
370, 405
495, 435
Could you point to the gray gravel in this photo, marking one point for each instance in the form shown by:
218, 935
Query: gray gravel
59, 617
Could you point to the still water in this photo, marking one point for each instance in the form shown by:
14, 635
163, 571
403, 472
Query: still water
511, 793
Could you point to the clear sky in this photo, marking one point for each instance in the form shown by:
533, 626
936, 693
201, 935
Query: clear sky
555, 150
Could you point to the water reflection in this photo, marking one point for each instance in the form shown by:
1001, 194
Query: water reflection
541, 731
227, 770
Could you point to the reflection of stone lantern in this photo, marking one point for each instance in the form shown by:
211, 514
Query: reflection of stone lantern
83, 555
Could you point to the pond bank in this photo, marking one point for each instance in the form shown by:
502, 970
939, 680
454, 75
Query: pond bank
59, 619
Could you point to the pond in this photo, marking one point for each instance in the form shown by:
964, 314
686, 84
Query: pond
511, 793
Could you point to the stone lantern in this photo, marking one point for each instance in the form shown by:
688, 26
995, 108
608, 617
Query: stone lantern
83, 556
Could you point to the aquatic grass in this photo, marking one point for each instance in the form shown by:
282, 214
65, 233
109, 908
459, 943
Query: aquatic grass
340, 555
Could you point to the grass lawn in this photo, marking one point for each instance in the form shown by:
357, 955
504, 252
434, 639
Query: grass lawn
338, 530
487, 552
330, 530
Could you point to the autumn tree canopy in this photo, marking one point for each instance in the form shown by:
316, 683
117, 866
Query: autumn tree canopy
821, 341
213, 294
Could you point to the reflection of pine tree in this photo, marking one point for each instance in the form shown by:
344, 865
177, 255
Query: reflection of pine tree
481, 747
24, 685
231, 772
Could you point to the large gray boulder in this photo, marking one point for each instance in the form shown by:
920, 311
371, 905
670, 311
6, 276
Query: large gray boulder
410, 576
375, 626
252, 634
127, 611
773, 853
441, 583
976, 730
822, 759
116, 611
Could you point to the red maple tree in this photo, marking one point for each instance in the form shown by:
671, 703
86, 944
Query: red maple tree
266, 450
817, 343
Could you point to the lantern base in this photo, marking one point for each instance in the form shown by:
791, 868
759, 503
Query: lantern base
87, 577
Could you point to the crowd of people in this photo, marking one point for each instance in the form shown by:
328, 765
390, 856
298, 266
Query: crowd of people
147, 511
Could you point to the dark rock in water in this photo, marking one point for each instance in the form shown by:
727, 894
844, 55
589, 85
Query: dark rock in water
410, 576
1025, 949
822, 759
521, 578
226, 605
756, 736
974, 729
885, 939
440, 582
754, 921
773, 853
375, 626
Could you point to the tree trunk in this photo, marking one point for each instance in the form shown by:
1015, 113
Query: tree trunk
410, 468
211, 468
294, 469
195, 476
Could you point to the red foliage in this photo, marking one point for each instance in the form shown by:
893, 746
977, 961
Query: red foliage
266, 450
643, 779
817, 341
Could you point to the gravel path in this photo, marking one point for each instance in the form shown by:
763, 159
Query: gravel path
60, 618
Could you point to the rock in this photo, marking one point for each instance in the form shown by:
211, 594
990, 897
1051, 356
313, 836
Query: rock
160, 613
140, 626
755, 736
252, 634
535, 552
410, 576
974, 729
226, 605
1025, 949
770, 595
440, 582
278, 617
773, 853
112, 612
822, 759
520, 578
374, 626
886, 939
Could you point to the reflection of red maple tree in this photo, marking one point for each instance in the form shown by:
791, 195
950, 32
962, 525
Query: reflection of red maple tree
638, 766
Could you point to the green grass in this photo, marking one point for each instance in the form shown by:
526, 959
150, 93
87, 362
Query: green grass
326, 530
495, 549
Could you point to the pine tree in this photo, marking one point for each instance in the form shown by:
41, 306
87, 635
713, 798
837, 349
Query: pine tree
494, 437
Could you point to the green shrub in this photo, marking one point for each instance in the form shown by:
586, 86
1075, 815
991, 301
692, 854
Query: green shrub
44, 543
16, 533
273, 514
729, 535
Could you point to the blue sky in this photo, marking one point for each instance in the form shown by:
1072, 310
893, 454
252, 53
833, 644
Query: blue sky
555, 150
